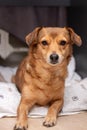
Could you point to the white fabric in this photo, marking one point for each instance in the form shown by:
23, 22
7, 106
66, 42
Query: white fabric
75, 97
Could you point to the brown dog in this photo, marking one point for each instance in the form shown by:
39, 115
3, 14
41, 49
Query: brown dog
41, 75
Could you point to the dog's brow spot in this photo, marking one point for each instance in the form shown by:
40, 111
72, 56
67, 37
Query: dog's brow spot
53, 35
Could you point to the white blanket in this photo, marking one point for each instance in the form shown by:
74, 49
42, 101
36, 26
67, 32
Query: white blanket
75, 98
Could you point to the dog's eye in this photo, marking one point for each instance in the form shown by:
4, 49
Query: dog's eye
44, 43
63, 43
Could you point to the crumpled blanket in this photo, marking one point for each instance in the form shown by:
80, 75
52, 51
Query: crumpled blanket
75, 96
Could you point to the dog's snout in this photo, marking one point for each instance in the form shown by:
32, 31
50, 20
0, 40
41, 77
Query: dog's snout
54, 58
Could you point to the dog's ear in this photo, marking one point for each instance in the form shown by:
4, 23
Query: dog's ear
31, 38
76, 39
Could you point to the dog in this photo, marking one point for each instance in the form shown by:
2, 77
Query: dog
41, 75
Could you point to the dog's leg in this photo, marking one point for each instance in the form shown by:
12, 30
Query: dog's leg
50, 119
24, 107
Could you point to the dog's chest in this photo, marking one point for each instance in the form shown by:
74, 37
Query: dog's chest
47, 81
48, 85
47, 95
49, 91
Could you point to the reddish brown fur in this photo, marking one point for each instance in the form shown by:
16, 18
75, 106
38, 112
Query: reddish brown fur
39, 81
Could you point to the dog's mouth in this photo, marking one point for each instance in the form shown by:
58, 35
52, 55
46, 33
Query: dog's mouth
53, 62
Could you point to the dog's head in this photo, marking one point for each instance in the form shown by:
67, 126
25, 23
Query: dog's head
53, 45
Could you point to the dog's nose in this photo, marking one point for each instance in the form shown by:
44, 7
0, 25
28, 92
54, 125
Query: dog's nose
54, 58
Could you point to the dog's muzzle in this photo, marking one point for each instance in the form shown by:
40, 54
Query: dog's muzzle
54, 58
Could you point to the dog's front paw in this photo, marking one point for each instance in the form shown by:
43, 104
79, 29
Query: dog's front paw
49, 121
20, 126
